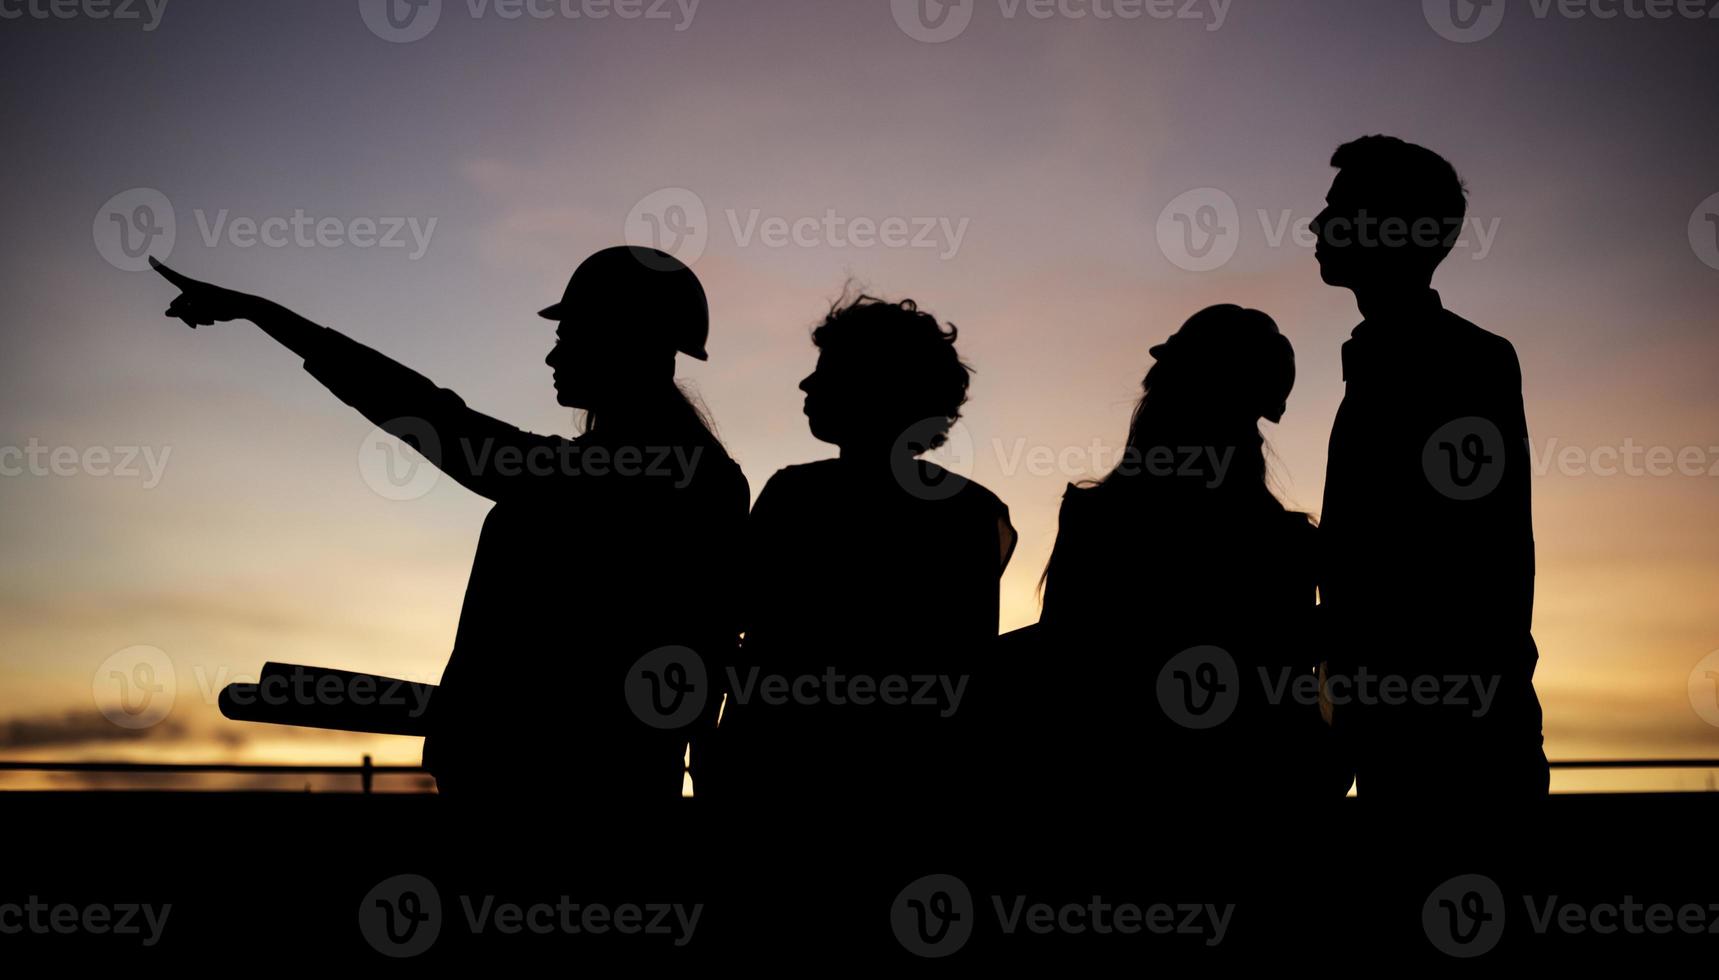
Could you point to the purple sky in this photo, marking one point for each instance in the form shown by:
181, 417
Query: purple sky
1030, 161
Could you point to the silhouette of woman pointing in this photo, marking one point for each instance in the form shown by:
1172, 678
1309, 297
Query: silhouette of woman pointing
599, 550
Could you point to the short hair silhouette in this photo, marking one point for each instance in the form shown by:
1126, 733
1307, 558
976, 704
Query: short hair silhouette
905, 361
1411, 194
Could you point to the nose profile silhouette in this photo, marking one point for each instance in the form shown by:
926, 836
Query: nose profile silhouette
1427, 500
574, 523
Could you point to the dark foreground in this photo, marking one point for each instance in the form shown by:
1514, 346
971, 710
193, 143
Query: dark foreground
294, 882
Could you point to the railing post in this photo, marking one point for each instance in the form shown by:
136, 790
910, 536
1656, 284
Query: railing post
367, 775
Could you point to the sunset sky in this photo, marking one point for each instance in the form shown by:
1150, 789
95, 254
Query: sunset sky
1028, 164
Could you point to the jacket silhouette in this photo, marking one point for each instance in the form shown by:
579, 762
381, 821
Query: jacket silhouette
599, 550
1427, 531
1429, 558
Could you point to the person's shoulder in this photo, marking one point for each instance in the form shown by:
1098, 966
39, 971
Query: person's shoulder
970, 492
803, 474
1082, 492
706, 474
1079, 499
795, 483
1299, 528
733, 478
1481, 346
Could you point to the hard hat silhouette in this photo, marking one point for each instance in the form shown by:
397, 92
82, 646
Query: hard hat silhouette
649, 290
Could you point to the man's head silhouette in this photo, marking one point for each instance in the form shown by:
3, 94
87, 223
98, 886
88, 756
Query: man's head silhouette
626, 312
883, 369
1394, 212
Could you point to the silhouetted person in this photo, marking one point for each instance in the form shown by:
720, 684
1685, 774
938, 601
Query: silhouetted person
1173, 656
876, 567
1427, 528
599, 549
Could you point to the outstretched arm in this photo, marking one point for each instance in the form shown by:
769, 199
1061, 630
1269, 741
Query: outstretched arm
200, 304
485, 455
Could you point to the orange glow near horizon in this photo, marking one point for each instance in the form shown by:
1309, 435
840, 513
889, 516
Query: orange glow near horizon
1054, 147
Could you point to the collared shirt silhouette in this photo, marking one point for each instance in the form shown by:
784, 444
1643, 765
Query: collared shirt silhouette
599, 549
1427, 584
1429, 555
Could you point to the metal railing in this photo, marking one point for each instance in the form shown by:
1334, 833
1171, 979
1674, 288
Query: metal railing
367, 771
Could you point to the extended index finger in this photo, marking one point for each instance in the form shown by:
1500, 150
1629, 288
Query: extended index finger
183, 282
